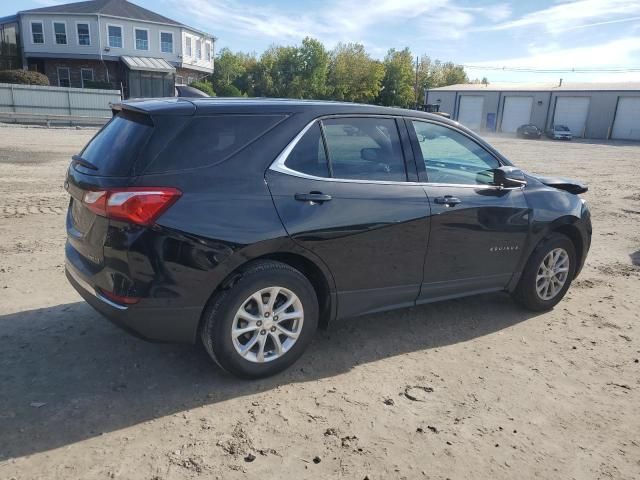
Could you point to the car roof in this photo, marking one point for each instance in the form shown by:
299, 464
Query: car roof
190, 106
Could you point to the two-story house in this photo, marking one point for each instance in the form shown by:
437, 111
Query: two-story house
115, 41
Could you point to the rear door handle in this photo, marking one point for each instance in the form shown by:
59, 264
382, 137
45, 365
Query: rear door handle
315, 197
447, 200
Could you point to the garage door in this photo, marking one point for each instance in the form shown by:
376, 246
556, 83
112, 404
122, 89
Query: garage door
626, 126
470, 111
572, 112
516, 112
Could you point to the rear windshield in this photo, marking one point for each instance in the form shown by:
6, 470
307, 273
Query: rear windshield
211, 139
116, 147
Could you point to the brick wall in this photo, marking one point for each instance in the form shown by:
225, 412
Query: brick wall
184, 74
99, 71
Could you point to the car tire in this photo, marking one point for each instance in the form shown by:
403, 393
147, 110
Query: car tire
236, 309
530, 292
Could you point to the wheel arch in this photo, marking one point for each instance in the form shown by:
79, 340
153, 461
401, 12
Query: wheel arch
565, 225
317, 273
573, 233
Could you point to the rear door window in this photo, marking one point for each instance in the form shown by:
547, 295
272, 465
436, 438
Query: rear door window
116, 147
308, 156
211, 139
365, 149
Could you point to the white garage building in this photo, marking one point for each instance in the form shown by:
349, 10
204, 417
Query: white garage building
590, 110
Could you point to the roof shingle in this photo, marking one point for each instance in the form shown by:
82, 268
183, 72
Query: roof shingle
115, 8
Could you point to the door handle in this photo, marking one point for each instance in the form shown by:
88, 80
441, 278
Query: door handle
447, 200
314, 197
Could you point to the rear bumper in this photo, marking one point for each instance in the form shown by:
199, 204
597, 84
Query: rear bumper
179, 325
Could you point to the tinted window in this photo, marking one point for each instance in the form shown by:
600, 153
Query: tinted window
451, 157
207, 140
308, 156
115, 148
365, 149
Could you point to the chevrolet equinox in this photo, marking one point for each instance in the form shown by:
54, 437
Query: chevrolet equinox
248, 223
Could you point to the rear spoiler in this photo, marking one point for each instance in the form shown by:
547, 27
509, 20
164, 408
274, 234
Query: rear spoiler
156, 106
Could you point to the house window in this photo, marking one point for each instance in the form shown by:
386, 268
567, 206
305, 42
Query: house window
60, 33
86, 75
37, 32
207, 51
64, 77
188, 50
142, 39
84, 37
166, 42
179, 80
115, 36
198, 49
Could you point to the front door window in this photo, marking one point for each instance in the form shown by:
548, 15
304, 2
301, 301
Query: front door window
451, 157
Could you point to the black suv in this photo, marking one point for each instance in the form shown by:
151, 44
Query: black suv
249, 223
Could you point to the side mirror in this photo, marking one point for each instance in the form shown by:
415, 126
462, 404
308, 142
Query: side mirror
509, 177
370, 154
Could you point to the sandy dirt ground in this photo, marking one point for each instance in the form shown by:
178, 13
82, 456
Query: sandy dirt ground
474, 388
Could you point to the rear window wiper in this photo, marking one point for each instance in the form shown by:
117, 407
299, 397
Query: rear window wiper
85, 163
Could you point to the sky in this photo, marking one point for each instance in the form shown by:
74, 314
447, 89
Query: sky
483, 34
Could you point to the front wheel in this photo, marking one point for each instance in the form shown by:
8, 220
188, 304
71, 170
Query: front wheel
263, 323
548, 274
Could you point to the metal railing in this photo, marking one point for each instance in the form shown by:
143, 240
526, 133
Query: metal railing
40, 104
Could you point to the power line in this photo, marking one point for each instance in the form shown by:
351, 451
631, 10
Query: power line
554, 70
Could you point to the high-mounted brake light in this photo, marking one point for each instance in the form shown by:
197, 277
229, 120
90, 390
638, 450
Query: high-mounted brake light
141, 205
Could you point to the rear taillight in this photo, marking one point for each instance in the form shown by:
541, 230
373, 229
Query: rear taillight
142, 205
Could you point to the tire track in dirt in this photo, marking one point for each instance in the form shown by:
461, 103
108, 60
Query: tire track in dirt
9, 211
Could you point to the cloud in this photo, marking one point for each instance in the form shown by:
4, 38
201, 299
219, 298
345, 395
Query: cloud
575, 14
622, 51
229, 15
613, 54
338, 20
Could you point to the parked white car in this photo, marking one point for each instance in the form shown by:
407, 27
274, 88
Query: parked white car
559, 132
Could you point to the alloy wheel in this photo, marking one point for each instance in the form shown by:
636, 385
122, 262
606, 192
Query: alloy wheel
267, 324
552, 273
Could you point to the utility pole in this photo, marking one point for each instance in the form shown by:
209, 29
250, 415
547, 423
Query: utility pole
415, 88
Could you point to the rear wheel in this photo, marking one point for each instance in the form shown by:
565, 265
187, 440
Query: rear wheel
263, 323
548, 274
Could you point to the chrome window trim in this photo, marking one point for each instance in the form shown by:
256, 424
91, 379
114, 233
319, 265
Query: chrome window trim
279, 164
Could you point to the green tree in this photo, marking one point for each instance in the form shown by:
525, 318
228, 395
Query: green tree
452, 74
313, 62
204, 86
399, 78
433, 74
346, 73
353, 75
229, 68
279, 72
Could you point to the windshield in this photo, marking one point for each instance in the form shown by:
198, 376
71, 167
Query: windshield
562, 128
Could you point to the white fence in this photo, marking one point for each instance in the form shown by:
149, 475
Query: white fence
30, 103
